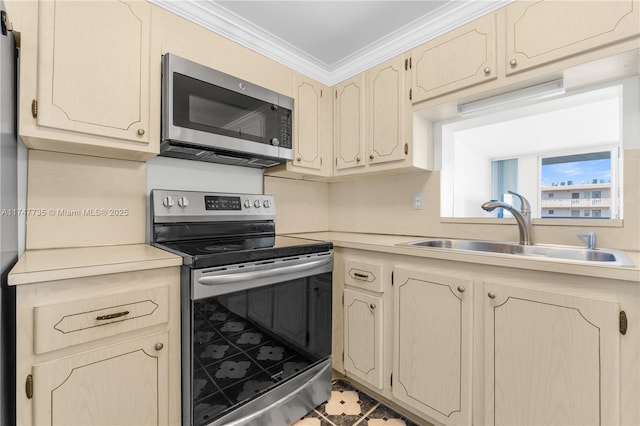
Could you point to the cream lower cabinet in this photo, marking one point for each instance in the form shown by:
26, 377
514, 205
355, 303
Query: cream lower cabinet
539, 32
363, 337
97, 84
433, 326
121, 384
549, 358
367, 320
99, 350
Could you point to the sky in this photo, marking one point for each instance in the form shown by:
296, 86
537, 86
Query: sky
578, 172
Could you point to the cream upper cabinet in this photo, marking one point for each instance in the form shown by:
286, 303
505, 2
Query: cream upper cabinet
363, 337
123, 384
538, 32
550, 359
433, 322
349, 123
390, 111
461, 58
313, 130
98, 79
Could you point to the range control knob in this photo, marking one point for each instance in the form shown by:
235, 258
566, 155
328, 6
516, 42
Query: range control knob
183, 202
257, 204
266, 204
247, 204
168, 202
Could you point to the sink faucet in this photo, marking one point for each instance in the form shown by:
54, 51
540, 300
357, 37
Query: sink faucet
590, 238
523, 217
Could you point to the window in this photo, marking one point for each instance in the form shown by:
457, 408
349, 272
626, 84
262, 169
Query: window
575, 213
585, 169
550, 212
587, 213
557, 152
597, 213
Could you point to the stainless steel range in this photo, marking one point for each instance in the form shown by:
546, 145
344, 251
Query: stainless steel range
256, 309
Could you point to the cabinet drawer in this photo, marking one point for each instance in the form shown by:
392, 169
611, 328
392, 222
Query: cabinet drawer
71, 323
363, 275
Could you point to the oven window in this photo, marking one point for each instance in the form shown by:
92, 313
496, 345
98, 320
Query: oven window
246, 343
202, 106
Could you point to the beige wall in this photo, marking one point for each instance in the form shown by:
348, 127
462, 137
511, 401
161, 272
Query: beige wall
384, 205
301, 206
79, 201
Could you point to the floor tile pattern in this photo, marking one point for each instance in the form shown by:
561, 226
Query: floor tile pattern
234, 360
349, 406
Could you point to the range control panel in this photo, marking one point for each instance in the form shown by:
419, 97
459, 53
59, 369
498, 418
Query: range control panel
194, 206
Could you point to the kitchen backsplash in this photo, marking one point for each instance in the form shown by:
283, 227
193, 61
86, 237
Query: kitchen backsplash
383, 204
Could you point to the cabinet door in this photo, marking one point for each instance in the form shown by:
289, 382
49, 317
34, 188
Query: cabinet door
320, 315
432, 344
550, 359
123, 384
260, 306
363, 337
349, 119
389, 102
94, 68
538, 32
290, 310
458, 59
313, 127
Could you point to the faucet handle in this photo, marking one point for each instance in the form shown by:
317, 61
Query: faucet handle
591, 239
525, 207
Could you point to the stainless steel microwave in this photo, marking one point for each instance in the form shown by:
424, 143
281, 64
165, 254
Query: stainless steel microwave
211, 116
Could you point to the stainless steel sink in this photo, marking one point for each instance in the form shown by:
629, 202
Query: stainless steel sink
608, 257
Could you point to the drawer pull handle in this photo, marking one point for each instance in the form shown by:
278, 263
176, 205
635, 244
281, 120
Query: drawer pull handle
112, 316
360, 276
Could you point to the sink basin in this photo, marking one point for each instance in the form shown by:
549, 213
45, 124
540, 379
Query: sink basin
608, 257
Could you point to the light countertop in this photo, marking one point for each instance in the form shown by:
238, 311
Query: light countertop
387, 244
65, 263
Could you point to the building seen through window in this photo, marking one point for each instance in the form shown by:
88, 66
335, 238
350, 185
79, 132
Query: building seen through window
576, 186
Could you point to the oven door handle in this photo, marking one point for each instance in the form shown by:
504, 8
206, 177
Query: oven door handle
253, 275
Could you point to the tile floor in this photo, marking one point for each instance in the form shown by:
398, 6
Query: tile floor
349, 406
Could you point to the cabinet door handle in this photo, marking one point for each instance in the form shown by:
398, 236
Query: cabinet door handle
492, 295
299, 159
140, 132
513, 62
357, 159
461, 288
371, 157
111, 316
372, 306
487, 70
360, 276
159, 346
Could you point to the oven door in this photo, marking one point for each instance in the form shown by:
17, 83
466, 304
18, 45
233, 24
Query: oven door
260, 341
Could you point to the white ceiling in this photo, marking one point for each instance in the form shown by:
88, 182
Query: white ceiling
331, 40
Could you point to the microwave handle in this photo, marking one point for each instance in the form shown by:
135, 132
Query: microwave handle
254, 275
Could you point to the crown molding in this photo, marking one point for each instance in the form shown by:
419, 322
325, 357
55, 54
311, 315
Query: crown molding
216, 18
